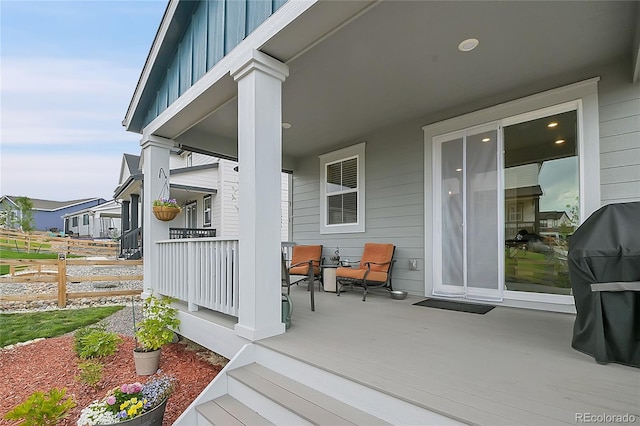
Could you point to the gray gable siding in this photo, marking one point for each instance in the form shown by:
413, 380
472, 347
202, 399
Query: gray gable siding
619, 107
215, 28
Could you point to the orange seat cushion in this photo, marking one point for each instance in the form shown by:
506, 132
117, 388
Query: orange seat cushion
382, 254
358, 274
379, 253
303, 254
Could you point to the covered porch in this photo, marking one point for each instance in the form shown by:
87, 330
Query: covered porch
319, 86
509, 366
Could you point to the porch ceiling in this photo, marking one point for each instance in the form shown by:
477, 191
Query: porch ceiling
399, 60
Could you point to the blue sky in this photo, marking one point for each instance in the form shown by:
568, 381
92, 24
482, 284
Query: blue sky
68, 70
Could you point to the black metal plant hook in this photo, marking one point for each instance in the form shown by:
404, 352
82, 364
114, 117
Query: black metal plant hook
165, 186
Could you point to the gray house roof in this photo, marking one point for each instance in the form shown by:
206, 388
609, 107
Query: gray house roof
133, 163
525, 191
49, 205
553, 215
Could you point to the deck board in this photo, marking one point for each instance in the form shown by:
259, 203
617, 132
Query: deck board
509, 366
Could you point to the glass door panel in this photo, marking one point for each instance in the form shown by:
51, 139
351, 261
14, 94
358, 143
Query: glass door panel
541, 199
467, 186
483, 280
452, 216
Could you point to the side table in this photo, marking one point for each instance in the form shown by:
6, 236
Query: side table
329, 277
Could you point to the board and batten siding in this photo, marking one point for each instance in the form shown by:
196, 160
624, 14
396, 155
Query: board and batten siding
394, 203
619, 110
215, 28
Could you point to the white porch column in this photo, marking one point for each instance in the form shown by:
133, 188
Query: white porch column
259, 78
155, 156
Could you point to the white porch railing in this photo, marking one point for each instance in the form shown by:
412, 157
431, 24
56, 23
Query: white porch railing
200, 271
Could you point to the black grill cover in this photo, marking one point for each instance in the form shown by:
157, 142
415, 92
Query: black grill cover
605, 249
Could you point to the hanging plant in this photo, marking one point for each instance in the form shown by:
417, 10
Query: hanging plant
165, 209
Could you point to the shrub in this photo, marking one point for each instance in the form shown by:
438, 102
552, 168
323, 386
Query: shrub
95, 342
42, 409
90, 372
159, 317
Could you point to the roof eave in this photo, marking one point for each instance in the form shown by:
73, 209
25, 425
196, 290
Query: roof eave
167, 18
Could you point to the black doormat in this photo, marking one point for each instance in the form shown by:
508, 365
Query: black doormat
473, 308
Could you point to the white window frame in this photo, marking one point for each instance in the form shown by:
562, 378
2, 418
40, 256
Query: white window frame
581, 97
206, 211
191, 208
85, 219
355, 151
74, 222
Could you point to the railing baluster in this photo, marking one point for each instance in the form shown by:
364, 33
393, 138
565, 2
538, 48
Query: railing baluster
200, 272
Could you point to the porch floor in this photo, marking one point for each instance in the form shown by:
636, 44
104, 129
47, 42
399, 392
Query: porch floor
509, 366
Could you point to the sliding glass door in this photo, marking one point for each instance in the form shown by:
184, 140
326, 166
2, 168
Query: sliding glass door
467, 238
541, 199
507, 198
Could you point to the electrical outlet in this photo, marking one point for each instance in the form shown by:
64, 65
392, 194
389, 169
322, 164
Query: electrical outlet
413, 264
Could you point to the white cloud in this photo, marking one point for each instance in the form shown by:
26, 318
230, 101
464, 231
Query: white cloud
59, 176
49, 101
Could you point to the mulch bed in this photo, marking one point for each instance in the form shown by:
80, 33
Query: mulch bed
48, 363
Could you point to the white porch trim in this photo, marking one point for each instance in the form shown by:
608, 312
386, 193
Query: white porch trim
155, 156
259, 78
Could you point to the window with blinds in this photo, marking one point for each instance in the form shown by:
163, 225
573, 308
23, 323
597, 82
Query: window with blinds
342, 190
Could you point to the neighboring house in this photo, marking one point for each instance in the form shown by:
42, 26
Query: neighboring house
48, 214
552, 222
204, 186
401, 122
98, 222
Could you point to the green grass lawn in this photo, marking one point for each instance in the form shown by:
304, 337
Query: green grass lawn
21, 327
536, 268
12, 254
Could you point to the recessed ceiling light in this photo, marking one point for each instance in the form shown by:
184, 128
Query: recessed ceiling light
286, 125
458, 170
552, 124
468, 45
559, 141
486, 139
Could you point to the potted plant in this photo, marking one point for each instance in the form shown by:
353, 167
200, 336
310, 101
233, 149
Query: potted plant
153, 332
131, 404
165, 209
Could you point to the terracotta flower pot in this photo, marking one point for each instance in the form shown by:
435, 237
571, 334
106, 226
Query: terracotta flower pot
165, 213
146, 362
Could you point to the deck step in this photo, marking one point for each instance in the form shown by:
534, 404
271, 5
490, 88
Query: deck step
228, 411
303, 401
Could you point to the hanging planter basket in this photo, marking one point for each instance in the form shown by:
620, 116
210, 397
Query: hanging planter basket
165, 213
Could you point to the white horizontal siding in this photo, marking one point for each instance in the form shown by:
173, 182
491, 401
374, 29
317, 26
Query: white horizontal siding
198, 159
229, 192
200, 178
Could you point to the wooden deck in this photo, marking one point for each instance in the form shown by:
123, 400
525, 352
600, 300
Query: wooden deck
509, 366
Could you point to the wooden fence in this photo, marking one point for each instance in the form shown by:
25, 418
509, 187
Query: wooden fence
55, 271
38, 242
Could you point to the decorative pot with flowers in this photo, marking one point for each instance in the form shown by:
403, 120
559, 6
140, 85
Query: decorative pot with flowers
165, 209
155, 330
131, 404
